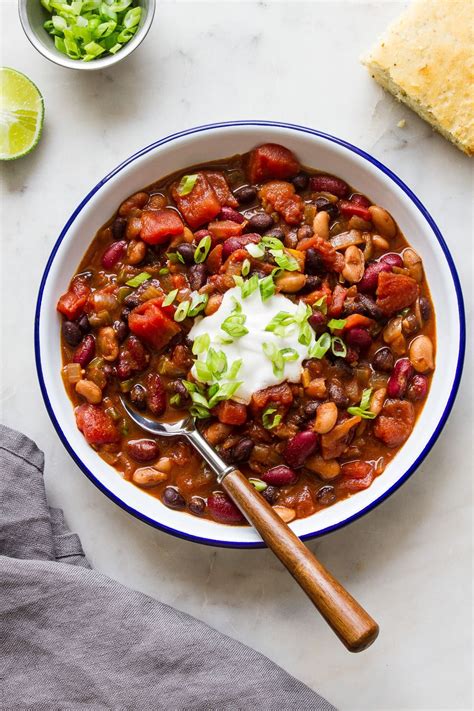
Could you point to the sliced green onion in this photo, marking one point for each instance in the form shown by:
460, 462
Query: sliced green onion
289, 354
321, 347
225, 392
258, 484
175, 257
285, 261
272, 242
139, 279
321, 304
126, 385
306, 334
203, 372
202, 250
281, 324
245, 267
255, 250
275, 356
359, 412
233, 325
268, 421
249, 286
182, 311
338, 347
336, 324
169, 298
201, 344
267, 287
186, 184
234, 369
365, 399
123, 292
163, 271
198, 304
175, 400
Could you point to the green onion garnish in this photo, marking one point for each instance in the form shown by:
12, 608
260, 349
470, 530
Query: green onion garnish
336, 324
225, 392
338, 347
175, 400
245, 267
198, 304
139, 279
363, 409
169, 298
201, 344
202, 250
275, 356
164, 271
175, 257
285, 261
258, 484
186, 184
321, 347
233, 325
268, 421
249, 286
88, 29
321, 304
267, 287
182, 311
255, 250
272, 242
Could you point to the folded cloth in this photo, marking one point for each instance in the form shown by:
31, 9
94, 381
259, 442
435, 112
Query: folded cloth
72, 638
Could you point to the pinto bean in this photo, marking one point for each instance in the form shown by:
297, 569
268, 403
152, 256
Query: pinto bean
421, 354
326, 417
136, 252
321, 225
148, 477
380, 242
290, 282
217, 432
213, 304
89, 390
383, 221
107, 343
285, 513
134, 227
337, 394
353, 264
316, 388
138, 200
377, 400
412, 262
325, 469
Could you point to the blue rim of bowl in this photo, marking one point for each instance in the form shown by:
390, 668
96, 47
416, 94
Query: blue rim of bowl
413, 198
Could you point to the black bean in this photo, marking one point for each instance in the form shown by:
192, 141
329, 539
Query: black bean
270, 494
261, 222
126, 313
118, 227
197, 275
132, 300
326, 495
313, 282
337, 395
362, 304
84, 324
121, 329
291, 240
246, 194
300, 181
197, 505
313, 262
187, 252
310, 408
109, 371
276, 232
241, 451
179, 389
383, 360
172, 498
341, 368
72, 334
138, 396
304, 232
425, 308
325, 205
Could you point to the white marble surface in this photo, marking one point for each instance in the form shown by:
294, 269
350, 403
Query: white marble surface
409, 561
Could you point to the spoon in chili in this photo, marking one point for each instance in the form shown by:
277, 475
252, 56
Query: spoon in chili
352, 624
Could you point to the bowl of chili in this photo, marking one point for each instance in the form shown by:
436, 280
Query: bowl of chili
351, 314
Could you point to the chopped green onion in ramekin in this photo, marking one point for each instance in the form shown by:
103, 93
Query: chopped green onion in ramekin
86, 29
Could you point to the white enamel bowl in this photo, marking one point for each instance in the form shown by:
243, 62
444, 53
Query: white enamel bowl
206, 143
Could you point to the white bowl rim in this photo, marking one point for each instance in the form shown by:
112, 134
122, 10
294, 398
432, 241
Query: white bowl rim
446, 253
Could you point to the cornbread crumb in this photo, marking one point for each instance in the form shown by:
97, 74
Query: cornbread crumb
426, 60
402, 123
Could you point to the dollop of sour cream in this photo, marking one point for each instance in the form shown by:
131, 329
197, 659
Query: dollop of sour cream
256, 371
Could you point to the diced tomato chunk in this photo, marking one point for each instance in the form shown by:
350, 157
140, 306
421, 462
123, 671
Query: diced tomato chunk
224, 229
214, 260
394, 424
395, 292
133, 358
281, 197
150, 323
358, 321
337, 301
72, 303
271, 160
279, 394
221, 188
356, 476
200, 205
159, 225
96, 425
348, 209
230, 412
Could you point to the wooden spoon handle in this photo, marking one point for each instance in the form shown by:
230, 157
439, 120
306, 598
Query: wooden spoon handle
352, 624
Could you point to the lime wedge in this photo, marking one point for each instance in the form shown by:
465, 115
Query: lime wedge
21, 114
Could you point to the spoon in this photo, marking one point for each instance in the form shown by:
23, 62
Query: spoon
352, 624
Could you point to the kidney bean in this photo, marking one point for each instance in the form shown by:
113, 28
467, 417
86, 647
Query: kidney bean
234, 243
326, 495
261, 222
280, 475
222, 509
300, 181
71, 333
329, 184
228, 213
361, 200
138, 396
417, 388
313, 262
241, 451
118, 227
337, 395
143, 450
172, 498
121, 329
299, 447
369, 281
392, 259
304, 232
425, 308
270, 494
383, 360
197, 276
187, 252
317, 321
156, 394
246, 194
359, 338
398, 381
113, 254
313, 282
85, 351
325, 205
200, 234
84, 324
197, 505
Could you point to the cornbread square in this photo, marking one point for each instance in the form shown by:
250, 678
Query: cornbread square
425, 59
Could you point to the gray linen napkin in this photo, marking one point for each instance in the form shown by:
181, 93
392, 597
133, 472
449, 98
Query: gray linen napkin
72, 638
